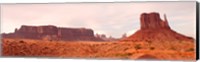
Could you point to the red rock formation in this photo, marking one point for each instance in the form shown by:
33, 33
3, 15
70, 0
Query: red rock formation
155, 29
52, 33
153, 21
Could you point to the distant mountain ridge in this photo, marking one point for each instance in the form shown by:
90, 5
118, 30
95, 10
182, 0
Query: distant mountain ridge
50, 32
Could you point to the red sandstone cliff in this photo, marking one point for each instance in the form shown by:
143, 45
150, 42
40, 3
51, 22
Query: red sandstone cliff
52, 33
155, 29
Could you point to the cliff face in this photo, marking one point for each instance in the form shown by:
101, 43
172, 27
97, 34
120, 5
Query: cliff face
52, 33
153, 21
153, 28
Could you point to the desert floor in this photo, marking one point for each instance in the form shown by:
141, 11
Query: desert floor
165, 50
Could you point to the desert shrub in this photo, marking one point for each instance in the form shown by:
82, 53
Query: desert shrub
152, 48
50, 40
124, 55
172, 48
125, 49
46, 48
21, 41
114, 43
190, 49
138, 46
149, 41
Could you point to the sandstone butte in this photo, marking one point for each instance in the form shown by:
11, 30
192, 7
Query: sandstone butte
51, 32
153, 28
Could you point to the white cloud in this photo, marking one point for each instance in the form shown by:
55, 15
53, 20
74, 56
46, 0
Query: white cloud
131, 32
112, 19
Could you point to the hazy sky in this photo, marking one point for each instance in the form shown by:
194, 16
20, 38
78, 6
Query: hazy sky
112, 19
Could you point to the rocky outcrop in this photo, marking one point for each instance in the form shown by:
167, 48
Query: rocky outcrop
153, 28
104, 37
52, 33
153, 21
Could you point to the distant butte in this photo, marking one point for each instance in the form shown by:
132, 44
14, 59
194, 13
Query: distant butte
153, 28
153, 21
50, 32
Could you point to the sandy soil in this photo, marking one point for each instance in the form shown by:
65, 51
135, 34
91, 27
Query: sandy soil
155, 50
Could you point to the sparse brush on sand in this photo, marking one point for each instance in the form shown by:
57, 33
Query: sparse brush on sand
93, 49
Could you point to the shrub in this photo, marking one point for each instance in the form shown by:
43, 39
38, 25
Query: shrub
152, 48
172, 48
190, 49
124, 55
138, 46
21, 41
125, 49
149, 41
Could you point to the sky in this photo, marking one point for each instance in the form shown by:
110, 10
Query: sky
111, 19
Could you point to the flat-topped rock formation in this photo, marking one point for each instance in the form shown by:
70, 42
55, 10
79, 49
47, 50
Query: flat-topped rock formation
50, 32
153, 28
153, 21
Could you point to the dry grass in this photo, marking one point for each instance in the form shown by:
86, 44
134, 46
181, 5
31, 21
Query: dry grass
165, 50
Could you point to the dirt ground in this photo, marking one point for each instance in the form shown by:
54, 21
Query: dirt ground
155, 50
